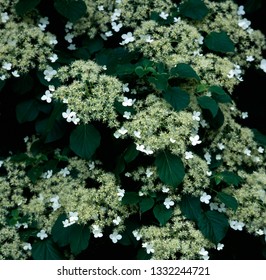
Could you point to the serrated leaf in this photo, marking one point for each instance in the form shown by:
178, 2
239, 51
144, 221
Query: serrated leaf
190, 207
177, 97
27, 111
131, 198
71, 9
219, 94
84, 140
208, 103
146, 204
183, 70
45, 250
170, 168
228, 200
162, 214
24, 6
194, 9
213, 225
219, 42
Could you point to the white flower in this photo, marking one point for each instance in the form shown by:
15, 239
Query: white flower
117, 220
128, 102
2, 77
263, 65
52, 40
116, 27
43, 22
48, 174
55, 200
214, 206
220, 146
108, 33
116, 14
68, 115
7, 65
72, 47
47, 96
15, 74
64, 172
1, 163
260, 150
4, 17
73, 217
127, 115
136, 234
148, 172
204, 254
120, 193
69, 25
69, 37
53, 58
117, 134
122, 131
49, 73
164, 15
207, 156
125, 87
222, 208
91, 165
27, 246
240, 10
97, 231
165, 189
236, 225
147, 38
244, 115
168, 203
249, 58
42, 234
244, 23
196, 116
194, 140
75, 119
218, 157
172, 140
115, 236
100, 8
247, 152
200, 40
149, 247
203, 123
220, 246
127, 38
137, 133
205, 198
236, 72
188, 155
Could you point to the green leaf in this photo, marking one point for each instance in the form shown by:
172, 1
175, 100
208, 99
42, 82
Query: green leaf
219, 42
45, 250
170, 168
79, 238
160, 81
228, 200
219, 94
177, 97
131, 198
213, 225
190, 207
61, 234
139, 70
218, 120
183, 70
73, 10
131, 153
22, 84
24, 6
146, 204
208, 103
162, 214
194, 9
84, 140
27, 111
259, 137
230, 178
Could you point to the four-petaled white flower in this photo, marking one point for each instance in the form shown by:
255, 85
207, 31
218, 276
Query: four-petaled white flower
196, 116
70, 116
128, 102
168, 202
236, 225
244, 115
188, 155
43, 22
240, 10
97, 231
165, 189
163, 15
127, 115
244, 23
247, 152
47, 96
137, 133
53, 58
204, 254
194, 140
116, 26
249, 58
117, 220
49, 73
7, 65
42, 234
69, 37
148, 172
260, 150
205, 198
137, 234
127, 38
15, 73
120, 193
208, 158
48, 174
64, 172
4, 17
220, 146
148, 247
55, 200
27, 246
115, 236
